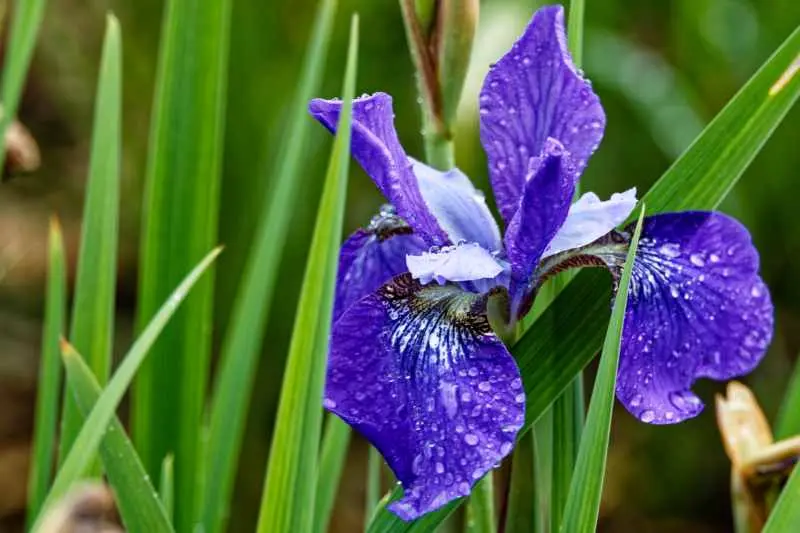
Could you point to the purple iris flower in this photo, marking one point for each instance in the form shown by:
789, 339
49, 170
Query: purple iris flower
414, 364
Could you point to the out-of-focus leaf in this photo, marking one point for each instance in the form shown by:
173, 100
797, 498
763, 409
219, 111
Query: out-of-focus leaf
44, 432
245, 334
25, 23
137, 501
785, 516
480, 509
550, 357
182, 189
583, 502
331, 463
288, 499
521, 512
98, 421
788, 423
166, 487
92, 329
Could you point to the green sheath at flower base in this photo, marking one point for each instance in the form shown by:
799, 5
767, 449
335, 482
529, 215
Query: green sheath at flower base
456, 21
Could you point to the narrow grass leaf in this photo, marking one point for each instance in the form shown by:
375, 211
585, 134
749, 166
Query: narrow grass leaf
242, 343
331, 464
583, 502
139, 506
166, 486
182, 189
520, 515
785, 516
44, 431
480, 511
575, 30
373, 492
97, 423
788, 423
26, 20
92, 329
550, 357
290, 480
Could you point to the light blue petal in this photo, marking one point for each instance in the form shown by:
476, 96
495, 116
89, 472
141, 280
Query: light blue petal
590, 218
465, 262
459, 208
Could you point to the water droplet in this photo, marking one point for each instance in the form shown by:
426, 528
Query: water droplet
670, 250
516, 383
466, 397
636, 401
526, 61
459, 428
439, 468
520, 398
484, 386
697, 260
647, 416
505, 448
714, 258
463, 488
473, 372
673, 290
328, 403
755, 291
471, 439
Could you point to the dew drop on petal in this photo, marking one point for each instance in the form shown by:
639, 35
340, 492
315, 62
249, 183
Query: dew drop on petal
328, 403
647, 416
471, 439
484, 386
670, 250
697, 260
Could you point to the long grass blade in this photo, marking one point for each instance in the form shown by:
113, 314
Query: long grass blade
331, 464
785, 516
243, 340
180, 225
583, 502
25, 23
44, 432
92, 328
788, 423
520, 515
139, 506
373, 495
289, 483
551, 357
97, 423
480, 511
166, 486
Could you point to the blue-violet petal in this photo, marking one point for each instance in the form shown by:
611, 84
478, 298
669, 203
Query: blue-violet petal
697, 308
377, 149
532, 93
419, 372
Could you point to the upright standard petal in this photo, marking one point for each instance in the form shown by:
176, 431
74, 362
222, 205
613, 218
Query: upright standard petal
418, 371
377, 149
697, 308
459, 208
370, 257
532, 93
590, 218
545, 203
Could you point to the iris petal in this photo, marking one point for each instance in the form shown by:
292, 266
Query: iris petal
590, 218
371, 257
458, 206
377, 149
532, 93
545, 203
697, 308
418, 371
465, 262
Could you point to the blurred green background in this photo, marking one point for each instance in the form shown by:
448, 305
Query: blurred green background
662, 69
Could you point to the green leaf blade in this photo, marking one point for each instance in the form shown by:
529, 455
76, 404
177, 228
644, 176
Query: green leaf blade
289, 483
583, 501
92, 329
331, 464
242, 343
182, 189
46, 421
25, 24
137, 501
785, 516
96, 424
